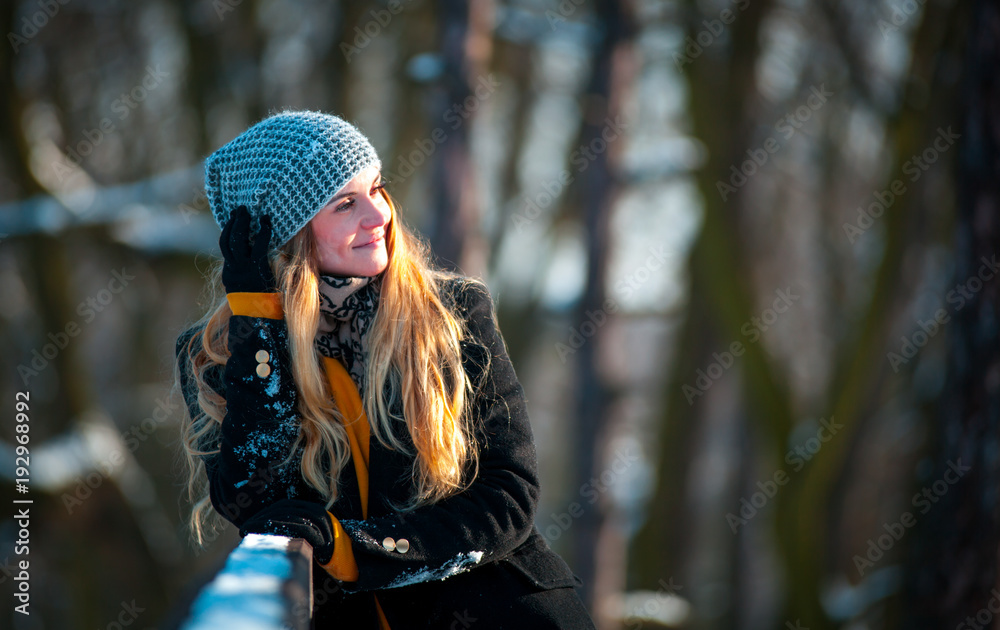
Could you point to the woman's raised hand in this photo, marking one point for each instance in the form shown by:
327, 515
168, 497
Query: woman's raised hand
245, 266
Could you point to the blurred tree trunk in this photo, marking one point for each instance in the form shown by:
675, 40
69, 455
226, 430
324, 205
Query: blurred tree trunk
467, 46
48, 273
724, 115
61, 390
953, 576
514, 64
13, 148
661, 548
599, 550
806, 523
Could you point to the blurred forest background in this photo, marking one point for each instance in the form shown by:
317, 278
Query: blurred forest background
743, 253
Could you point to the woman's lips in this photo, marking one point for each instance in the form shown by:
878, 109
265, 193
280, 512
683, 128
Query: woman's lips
372, 243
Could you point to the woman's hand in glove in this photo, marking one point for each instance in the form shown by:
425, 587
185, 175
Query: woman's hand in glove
245, 267
297, 519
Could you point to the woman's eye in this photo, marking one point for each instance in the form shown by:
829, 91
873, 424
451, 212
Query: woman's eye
350, 202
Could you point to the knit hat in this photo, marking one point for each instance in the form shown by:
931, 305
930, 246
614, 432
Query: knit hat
288, 166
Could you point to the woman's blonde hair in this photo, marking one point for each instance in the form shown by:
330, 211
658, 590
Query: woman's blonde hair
414, 355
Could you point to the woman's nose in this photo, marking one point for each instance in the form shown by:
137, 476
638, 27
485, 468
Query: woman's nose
376, 213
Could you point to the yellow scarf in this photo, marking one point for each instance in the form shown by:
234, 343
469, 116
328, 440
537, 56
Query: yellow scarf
345, 394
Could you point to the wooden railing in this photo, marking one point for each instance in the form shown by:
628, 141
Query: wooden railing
266, 584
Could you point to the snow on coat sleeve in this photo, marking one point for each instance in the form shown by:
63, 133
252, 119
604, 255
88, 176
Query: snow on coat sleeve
491, 518
260, 425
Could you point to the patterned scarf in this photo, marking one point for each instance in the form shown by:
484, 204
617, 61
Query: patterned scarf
347, 308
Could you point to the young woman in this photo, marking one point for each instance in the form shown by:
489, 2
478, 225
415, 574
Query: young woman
347, 392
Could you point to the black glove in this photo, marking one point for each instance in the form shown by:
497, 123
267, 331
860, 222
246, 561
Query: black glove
245, 267
297, 519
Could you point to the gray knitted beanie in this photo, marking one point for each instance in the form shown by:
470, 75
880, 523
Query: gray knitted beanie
288, 166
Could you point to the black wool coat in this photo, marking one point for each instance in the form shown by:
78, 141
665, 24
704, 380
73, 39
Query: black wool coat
475, 559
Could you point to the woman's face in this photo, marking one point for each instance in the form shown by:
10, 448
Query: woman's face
350, 231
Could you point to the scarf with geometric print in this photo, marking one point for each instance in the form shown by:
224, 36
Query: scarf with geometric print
347, 307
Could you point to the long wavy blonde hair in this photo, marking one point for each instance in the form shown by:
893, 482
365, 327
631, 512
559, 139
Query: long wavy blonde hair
413, 347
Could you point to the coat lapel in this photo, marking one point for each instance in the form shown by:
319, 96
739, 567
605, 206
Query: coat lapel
389, 472
349, 500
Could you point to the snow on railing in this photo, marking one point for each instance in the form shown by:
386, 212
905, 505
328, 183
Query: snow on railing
265, 585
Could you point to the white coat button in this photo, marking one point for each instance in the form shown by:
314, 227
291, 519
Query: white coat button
263, 370
402, 545
262, 356
389, 543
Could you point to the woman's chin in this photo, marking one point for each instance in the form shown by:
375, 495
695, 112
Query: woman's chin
376, 265
372, 266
